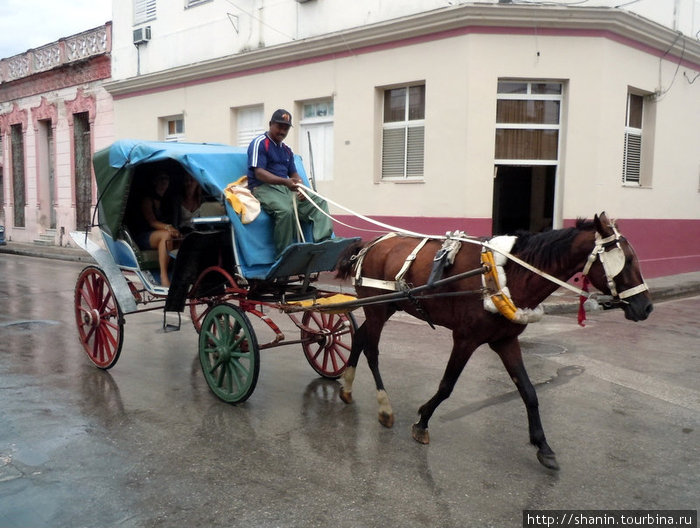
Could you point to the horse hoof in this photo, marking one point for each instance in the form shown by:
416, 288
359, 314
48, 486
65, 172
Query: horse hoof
420, 435
548, 460
386, 419
346, 396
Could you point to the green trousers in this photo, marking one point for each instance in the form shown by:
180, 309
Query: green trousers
277, 201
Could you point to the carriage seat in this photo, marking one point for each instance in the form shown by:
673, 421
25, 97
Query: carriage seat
128, 255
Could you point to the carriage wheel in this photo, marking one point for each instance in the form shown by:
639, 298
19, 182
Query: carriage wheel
99, 318
228, 351
198, 311
327, 345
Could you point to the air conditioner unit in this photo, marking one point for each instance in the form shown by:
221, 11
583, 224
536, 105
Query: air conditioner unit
142, 35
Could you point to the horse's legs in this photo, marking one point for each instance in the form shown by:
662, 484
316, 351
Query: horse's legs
509, 352
462, 350
366, 340
358, 344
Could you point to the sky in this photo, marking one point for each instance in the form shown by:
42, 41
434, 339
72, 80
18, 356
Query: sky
26, 24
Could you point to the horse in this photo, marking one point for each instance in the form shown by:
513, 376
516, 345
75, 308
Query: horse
595, 248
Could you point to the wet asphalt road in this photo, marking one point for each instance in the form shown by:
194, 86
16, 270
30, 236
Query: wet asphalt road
146, 444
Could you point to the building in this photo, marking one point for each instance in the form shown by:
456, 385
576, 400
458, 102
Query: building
436, 115
54, 114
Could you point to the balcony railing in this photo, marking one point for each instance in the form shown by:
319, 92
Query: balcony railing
90, 43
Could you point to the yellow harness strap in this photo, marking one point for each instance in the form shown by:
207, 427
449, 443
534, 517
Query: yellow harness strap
501, 301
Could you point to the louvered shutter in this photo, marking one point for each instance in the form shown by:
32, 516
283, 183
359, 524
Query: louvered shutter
633, 156
144, 10
414, 152
393, 152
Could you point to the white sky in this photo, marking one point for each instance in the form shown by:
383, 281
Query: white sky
26, 24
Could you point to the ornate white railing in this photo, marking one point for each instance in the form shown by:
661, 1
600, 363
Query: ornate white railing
77, 47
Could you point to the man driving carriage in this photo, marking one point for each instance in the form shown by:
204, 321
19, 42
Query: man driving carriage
273, 178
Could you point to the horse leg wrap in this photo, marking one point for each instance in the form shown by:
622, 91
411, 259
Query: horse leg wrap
386, 413
346, 388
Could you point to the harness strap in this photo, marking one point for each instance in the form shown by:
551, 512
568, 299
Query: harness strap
409, 260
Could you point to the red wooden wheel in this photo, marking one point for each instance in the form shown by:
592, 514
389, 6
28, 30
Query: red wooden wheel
99, 318
327, 341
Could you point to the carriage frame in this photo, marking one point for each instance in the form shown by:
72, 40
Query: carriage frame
224, 273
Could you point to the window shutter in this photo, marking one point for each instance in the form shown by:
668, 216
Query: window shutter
393, 152
633, 157
144, 10
414, 152
250, 124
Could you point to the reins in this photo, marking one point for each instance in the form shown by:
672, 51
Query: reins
470, 240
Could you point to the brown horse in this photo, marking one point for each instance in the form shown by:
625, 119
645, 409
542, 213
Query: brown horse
612, 268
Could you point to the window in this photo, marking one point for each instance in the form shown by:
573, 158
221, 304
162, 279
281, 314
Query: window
192, 3
173, 128
526, 155
403, 133
632, 159
527, 121
251, 123
316, 138
144, 10
17, 153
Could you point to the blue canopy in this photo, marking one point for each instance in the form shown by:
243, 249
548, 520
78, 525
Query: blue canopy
214, 166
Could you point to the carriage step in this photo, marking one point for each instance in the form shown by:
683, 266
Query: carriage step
169, 326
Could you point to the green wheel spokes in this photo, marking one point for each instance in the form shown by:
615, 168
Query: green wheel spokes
228, 351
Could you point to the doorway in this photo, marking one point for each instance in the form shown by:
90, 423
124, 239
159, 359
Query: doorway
83, 172
523, 198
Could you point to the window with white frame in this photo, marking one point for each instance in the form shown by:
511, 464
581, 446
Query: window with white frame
316, 138
173, 128
250, 122
632, 158
403, 133
192, 3
527, 122
144, 10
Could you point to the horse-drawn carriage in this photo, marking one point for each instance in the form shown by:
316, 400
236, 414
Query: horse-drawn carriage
223, 270
226, 270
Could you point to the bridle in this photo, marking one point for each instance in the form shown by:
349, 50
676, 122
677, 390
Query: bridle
612, 257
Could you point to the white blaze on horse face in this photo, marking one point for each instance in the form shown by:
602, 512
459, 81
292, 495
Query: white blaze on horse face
348, 378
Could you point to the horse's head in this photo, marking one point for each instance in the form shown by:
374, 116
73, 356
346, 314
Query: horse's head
613, 268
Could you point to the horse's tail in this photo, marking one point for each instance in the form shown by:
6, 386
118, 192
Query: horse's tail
346, 260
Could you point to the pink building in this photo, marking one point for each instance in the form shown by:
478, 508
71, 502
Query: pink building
54, 114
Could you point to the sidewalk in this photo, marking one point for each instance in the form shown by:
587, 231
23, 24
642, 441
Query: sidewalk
561, 301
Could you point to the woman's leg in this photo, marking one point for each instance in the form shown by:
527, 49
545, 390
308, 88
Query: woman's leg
159, 241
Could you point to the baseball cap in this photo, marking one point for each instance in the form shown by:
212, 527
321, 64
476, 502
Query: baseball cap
282, 116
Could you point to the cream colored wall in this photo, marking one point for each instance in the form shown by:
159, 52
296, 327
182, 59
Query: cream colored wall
460, 74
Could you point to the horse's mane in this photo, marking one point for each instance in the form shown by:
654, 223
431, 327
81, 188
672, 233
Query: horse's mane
548, 248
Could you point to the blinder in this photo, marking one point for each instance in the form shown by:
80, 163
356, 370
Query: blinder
612, 258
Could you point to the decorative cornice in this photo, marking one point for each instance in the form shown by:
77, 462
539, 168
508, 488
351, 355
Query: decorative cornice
44, 111
622, 26
14, 117
81, 103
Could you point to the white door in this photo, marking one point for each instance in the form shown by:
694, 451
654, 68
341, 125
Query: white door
317, 150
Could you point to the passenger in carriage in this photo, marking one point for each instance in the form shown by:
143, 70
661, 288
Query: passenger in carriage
155, 231
273, 177
190, 203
